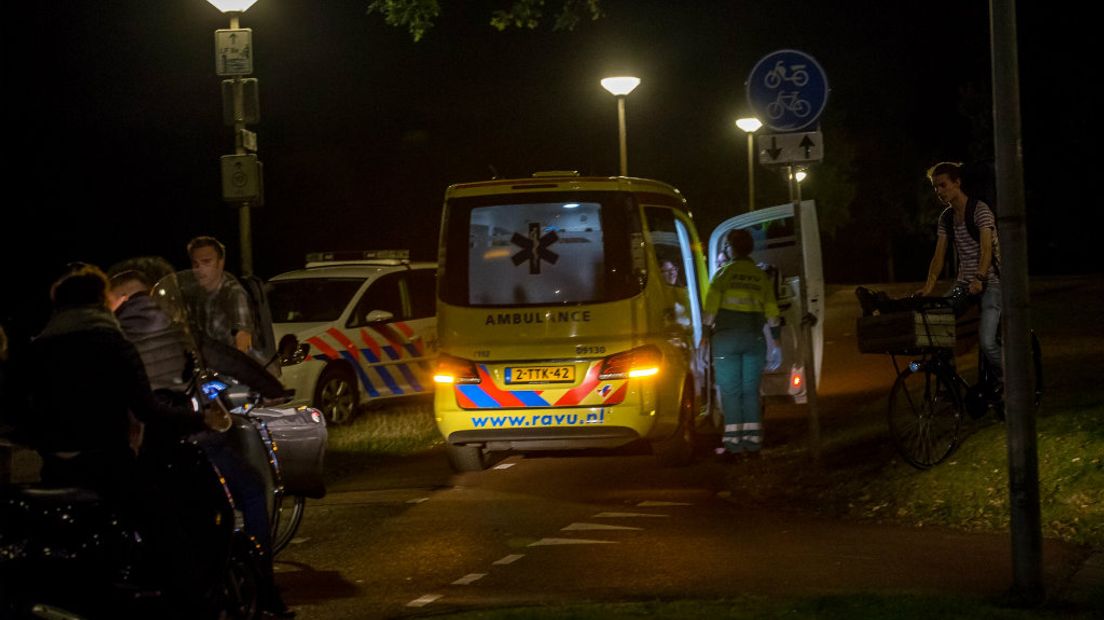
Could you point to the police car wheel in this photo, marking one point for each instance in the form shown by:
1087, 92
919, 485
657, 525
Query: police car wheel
336, 395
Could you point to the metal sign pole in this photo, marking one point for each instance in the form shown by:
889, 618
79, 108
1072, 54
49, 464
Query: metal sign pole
244, 221
1023, 458
808, 357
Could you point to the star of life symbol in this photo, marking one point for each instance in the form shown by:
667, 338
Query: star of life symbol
534, 248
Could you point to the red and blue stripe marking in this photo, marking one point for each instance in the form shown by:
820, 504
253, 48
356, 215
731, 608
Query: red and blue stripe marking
374, 354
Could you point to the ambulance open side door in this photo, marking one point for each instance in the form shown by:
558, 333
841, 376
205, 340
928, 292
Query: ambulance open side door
777, 251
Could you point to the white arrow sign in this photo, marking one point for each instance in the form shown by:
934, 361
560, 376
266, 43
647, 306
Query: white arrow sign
790, 148
234, 51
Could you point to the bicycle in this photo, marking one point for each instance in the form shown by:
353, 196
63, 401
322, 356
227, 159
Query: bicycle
929, 400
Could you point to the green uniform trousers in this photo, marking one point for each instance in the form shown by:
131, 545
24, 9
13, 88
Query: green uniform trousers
739, 354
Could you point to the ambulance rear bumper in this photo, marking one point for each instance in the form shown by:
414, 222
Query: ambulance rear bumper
545, 438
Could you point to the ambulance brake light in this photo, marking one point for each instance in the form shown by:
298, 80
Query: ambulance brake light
634, 363
455, 370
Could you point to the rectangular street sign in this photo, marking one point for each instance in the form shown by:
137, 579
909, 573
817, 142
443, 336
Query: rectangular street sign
248, 140
251, 103
241, 178
790, 148
234, 51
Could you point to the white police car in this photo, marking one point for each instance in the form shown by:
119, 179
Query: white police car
367, 320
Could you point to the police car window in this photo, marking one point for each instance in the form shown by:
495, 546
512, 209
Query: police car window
311, 300
422, 293
383, 294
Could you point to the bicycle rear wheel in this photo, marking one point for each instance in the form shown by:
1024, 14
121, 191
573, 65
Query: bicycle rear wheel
925, 416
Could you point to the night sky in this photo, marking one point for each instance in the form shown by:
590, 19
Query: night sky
115, 127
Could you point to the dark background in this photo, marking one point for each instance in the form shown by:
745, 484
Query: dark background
115, 126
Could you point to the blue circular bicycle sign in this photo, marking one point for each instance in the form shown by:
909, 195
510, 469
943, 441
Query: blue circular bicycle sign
787, 90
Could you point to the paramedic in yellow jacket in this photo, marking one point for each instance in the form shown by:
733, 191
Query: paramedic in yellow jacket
739, 302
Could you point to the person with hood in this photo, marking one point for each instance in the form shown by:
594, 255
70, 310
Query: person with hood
85, 380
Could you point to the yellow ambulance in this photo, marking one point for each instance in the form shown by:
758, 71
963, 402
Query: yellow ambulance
569, 316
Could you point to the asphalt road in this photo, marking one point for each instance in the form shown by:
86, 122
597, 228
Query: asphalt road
410, 538
594, 528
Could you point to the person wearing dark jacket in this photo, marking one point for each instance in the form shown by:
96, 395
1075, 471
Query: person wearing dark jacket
159, 343
162, 347
85, 380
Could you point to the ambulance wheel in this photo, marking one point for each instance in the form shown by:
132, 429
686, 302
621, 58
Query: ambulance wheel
336, 394
466, 458
678, 449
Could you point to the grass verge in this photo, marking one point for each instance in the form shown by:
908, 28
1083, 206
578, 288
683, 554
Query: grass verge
400, 429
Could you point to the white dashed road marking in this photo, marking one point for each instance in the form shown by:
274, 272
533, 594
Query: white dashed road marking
417, 500
510, 559
624, 515
597, 526
505, 466
469, 579
422, 601
652, 503
545, 542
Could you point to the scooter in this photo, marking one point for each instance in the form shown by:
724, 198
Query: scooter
65, 553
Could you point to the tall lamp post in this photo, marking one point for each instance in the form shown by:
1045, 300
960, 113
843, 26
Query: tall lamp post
241, 172
620, 87
750, 126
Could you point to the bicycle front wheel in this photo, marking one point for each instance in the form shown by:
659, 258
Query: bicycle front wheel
289, 516
925, 417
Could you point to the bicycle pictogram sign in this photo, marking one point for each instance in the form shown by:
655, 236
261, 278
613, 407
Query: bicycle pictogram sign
787, 90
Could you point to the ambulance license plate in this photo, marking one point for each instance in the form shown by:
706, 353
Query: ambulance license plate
540, 374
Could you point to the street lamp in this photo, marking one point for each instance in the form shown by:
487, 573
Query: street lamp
620, 87
794, 177
750, 126
233, 9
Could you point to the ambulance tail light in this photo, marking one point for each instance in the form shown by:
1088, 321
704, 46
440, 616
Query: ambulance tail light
634, 363
455, 370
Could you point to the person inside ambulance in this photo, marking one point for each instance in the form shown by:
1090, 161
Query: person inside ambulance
672, 277
740, 300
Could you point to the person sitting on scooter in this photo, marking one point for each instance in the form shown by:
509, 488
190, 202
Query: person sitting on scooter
84, 380
161, 345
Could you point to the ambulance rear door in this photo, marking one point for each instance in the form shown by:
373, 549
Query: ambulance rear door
777, 250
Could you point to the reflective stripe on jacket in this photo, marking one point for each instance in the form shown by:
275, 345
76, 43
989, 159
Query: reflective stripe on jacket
741, 286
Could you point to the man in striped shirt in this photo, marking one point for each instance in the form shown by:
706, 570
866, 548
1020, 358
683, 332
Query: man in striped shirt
970, 224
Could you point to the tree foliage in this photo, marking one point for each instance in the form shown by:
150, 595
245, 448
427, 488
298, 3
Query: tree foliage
418, 16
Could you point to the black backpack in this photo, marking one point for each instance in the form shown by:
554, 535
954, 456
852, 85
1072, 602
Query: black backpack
946, 221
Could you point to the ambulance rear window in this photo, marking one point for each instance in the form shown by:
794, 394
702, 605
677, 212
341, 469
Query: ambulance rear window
539, 249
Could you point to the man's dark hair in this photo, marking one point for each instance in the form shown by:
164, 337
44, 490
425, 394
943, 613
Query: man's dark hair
740, 242
949, 168
206, 242
82, 285
131, 279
